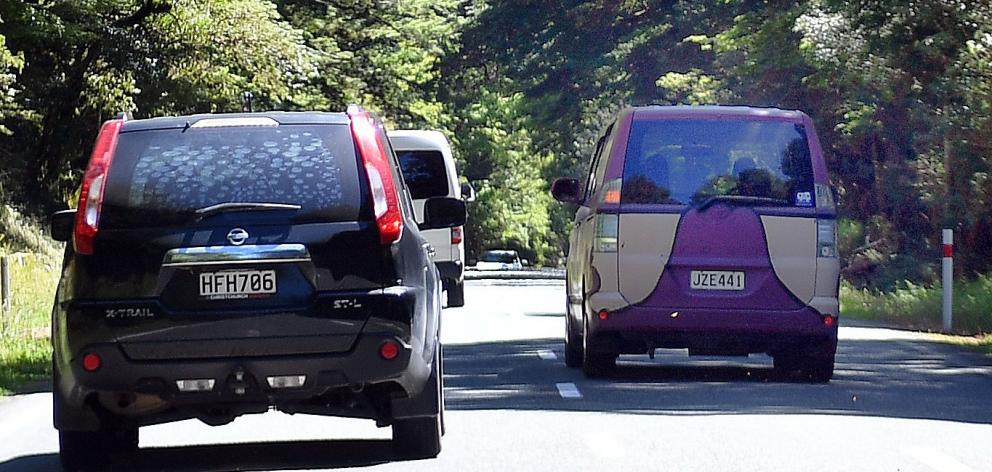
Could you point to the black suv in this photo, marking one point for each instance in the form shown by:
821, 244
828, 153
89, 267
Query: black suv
226, 264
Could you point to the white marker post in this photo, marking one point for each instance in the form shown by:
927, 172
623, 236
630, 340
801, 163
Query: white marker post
948, 278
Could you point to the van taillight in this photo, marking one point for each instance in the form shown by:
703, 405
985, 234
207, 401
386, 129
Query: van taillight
826, 238
385, 201
607, 230
456, 235
93, 186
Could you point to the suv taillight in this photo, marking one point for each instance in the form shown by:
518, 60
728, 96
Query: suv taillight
456, 235
385, 200
93, 186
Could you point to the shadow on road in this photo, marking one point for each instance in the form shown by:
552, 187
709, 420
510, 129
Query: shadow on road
891, 378
252, 456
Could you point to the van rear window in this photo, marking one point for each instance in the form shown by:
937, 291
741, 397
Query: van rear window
162, 177
686, 161
424, 173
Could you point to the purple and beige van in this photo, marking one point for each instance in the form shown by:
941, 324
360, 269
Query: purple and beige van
706, 228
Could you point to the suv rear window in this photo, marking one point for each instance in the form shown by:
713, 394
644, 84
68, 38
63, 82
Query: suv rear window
687, 161
424, 173
163, 176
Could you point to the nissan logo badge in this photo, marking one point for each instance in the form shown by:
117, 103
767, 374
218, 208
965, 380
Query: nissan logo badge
237, 236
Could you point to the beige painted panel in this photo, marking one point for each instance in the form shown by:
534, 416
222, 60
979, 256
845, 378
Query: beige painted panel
792, 247
827, 276
606, 301
646, 242
826, 305
605, 264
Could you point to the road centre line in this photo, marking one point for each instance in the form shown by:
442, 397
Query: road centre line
937, 460
568, 390
547, 355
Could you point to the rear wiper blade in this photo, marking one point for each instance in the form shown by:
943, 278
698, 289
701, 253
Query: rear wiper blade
243, 206
742, 200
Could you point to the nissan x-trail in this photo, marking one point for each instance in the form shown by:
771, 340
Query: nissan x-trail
220, 265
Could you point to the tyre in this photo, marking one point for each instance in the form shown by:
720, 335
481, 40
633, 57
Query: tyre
456, 293
818, 369
91, 450
420, 437
83, 451
573, 342
785, 363
598, 360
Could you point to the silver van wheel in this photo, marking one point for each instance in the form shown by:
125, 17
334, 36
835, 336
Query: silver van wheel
597, 361
573, 340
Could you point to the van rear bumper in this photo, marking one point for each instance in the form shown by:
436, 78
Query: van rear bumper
720, 331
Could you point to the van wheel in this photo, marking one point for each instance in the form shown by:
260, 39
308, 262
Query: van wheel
818, 369
597, 359
573, 341
456, 293
785, 364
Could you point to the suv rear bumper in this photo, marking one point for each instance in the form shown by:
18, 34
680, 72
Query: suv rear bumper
353, 380
362, 368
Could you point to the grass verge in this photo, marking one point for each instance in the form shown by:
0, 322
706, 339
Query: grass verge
919, 307
22, 361
25, 349
34, 261
980, 343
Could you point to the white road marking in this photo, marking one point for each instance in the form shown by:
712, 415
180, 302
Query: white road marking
568, 390
605, 446
547, 355
937, 460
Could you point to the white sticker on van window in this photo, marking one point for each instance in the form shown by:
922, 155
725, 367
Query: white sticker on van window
804, 199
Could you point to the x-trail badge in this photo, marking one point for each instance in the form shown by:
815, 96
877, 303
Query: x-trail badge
237, 236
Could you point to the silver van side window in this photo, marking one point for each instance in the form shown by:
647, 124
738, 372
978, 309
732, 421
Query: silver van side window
600, 159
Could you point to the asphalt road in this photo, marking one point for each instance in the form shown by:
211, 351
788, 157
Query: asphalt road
898, 402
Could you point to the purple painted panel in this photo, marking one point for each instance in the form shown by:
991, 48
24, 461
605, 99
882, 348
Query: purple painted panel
805, 321
820, 175
614, 169
721, 238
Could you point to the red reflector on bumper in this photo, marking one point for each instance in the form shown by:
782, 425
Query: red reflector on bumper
91, 362
389, 350
603, 315
829, 320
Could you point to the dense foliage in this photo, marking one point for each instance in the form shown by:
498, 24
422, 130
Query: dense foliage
901, 93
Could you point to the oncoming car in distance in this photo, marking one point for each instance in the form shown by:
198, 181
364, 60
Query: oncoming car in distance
707, 228
499, 259
222, 265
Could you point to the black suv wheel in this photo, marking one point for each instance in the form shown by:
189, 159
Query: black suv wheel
420, 438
